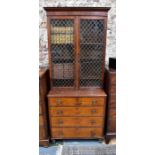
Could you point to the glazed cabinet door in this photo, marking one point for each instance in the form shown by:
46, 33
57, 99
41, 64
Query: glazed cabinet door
62, 51
91, 55
77, 51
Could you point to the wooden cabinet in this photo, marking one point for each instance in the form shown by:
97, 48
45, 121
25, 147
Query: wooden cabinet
76, 50
78, 114
110, 130
43, 112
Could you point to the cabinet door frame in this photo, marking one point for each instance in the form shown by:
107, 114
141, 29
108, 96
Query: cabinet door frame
49, 18
76, 23
104, 18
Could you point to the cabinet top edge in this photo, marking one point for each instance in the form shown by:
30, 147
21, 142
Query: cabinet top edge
77, 93
77, 9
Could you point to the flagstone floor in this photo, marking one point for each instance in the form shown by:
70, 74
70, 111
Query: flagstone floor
55, 149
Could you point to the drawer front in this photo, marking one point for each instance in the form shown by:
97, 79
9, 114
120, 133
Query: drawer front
41, 121
91, 101
60, 102
112, 98
112, 106
63, 102
113, 78
77, 111
77, 132
112, 125
112, 112
76, 121
113, 89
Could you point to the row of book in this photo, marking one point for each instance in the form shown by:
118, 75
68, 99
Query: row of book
63, 71
57, 29
62, 39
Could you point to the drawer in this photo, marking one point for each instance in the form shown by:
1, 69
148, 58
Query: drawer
113, 78
91, 101
76, 133
112, 106
112, 98
77, 111
112, 125
76, 102
63, 101
41, 121
113, 89
112, 114
76, 121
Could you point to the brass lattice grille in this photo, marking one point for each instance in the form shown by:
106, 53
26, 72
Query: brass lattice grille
62, 52
91, 52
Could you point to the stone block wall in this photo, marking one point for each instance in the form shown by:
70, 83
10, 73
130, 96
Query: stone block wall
111, 33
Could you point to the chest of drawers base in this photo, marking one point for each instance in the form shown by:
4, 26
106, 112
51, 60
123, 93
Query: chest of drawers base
77, 114
43, 112
110, 131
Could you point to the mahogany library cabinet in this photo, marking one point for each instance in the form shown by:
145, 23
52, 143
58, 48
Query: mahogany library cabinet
43, 111
110, 129
76, 51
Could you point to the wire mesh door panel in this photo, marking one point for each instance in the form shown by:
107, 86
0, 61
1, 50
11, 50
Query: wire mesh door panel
91, 52
62, 50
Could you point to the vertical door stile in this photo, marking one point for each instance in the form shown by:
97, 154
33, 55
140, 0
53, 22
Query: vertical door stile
75, 54
104, 43
49, 48
77, 50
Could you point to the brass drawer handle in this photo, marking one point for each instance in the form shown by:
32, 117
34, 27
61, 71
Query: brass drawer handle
58, 101
94, 102
59, 112
60, 122
93, 111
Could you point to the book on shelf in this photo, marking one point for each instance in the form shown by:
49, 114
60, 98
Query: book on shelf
62, 35
57, 29
62, 38
63, 71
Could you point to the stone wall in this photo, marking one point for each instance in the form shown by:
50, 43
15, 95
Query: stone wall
111, 40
